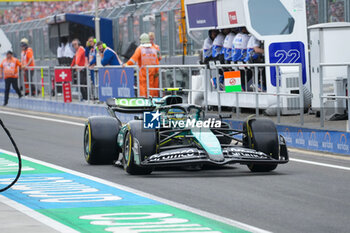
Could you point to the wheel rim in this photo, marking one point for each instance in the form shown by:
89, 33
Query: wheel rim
127, 149
86, 143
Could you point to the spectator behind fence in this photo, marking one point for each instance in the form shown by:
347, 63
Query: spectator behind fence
108, 55
27, 60
155, 46
79, 63
9, 71
145, 55
68, 49
64, 52
90, 53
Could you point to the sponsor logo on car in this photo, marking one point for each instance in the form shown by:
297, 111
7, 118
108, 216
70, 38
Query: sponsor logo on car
152, 120
243, 153
176, 154
133, 102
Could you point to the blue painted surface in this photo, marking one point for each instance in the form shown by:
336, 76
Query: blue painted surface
87, 20
70, 191
287, 52
199, 20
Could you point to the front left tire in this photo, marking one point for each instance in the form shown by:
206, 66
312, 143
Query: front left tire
146, 141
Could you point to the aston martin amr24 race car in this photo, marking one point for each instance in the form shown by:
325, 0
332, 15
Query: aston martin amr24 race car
166, 132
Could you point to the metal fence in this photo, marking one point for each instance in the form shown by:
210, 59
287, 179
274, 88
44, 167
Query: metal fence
254, 68
237, 95
40, 83
323, 97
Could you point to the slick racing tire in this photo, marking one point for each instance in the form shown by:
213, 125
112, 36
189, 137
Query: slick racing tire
222, 140
144, 141
100, 140
261, 135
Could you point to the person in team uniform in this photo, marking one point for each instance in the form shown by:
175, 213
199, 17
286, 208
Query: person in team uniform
239, 52
254, 51
239, 45
9, 71
208, 45
108, 55
27, 61
217, 47
255, 54
146, 55
154, 45
228, 45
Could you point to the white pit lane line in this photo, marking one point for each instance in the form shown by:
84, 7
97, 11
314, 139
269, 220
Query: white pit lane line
291, 159
320, 164
42, 118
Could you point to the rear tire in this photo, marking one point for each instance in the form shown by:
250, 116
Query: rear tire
261, 135
100, 140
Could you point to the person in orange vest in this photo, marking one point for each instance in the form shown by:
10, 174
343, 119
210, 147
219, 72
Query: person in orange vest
151, 38
27, 60
146, 55
9, 71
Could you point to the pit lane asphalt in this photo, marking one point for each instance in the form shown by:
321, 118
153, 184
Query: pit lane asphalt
297, 197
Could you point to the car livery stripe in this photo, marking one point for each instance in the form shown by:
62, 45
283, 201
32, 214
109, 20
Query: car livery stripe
89, 204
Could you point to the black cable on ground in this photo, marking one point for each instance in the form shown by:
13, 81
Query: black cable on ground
18, 156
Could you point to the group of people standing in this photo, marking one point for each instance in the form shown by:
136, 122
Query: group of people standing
232, 46
148, 53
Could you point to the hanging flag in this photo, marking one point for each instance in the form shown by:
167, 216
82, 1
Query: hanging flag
233, 81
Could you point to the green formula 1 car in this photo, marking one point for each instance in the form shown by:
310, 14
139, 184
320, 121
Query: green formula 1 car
166, 132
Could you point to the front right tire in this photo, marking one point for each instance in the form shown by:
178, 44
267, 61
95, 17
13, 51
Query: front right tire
261, 134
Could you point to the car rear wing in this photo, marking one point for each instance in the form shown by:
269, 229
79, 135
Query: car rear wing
131, 105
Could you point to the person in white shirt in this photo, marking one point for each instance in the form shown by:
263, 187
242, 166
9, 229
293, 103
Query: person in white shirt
228, 44
255, 54
60, 51
68, 50
61, 47
240, 44
208, 45
254, 50
218, 43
